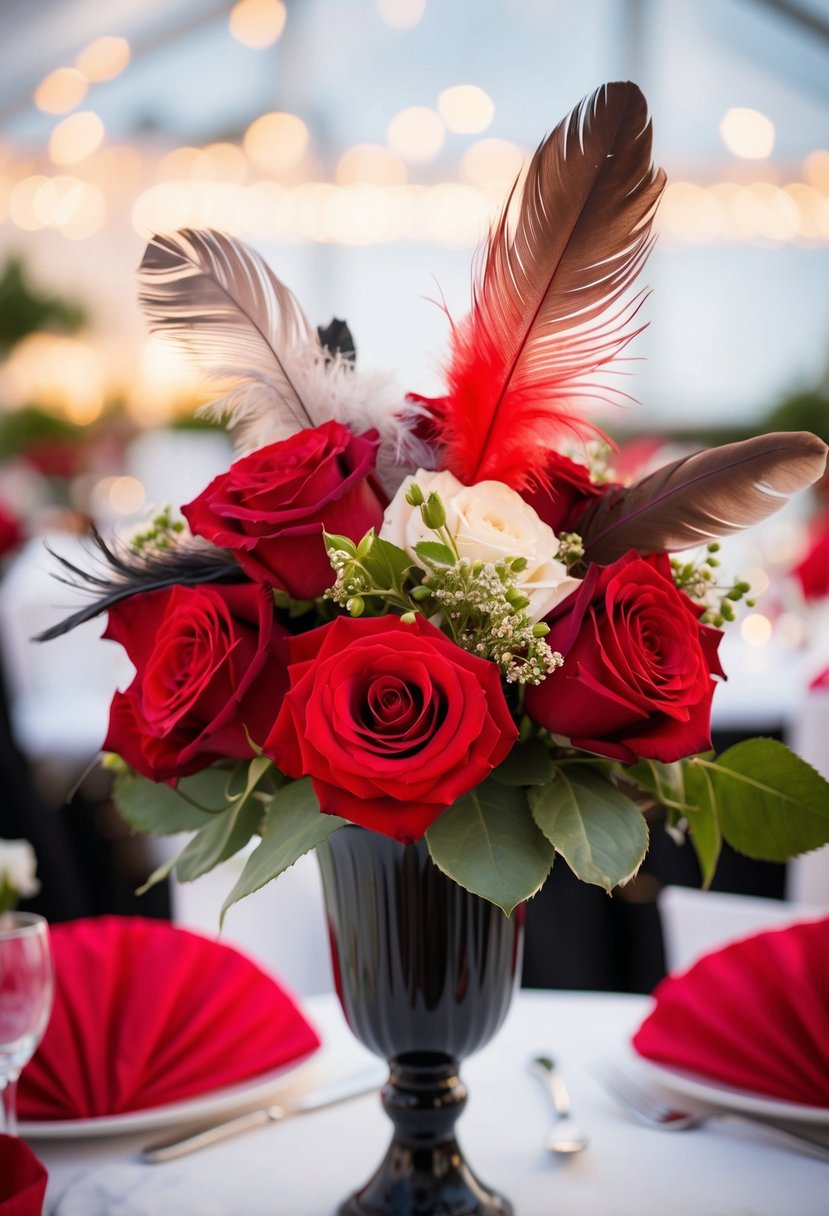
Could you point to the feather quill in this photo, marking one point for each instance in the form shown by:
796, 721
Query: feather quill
704, 496
551, 307
123, 572
222, 303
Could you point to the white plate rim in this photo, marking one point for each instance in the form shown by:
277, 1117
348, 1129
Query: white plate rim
203, 1107
717, 1093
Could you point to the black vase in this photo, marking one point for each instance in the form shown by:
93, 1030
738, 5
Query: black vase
425, 973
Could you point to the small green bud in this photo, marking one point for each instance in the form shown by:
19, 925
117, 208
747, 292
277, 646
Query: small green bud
421, 593
714, 546
540, 630
433, 511
727, 611
713, 561
356, 605
414, 495
477, 567
342, 543
409, 618
519, 564
752, 603
364, 546
519, 604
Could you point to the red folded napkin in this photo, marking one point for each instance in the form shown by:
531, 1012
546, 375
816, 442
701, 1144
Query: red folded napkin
821, 680
146, 1014
754, 1015
22, 1179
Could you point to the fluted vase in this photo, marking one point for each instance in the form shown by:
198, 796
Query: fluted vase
425, 973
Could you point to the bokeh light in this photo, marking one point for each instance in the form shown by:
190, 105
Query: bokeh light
370, 164
466, 109
401, 14
747, 133
103, 59
416, 133
76, 138
493, 163
257, 23
61, 91
276, 141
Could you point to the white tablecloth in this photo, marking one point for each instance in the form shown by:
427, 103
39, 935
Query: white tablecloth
307, 1165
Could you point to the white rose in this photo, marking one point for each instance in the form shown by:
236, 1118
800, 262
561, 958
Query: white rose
17, 867
488, 522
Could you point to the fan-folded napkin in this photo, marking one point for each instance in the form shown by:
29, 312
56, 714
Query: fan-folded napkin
22, 1179
146, 1014
754, 1015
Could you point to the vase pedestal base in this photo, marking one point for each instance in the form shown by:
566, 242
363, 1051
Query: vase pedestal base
424, 1172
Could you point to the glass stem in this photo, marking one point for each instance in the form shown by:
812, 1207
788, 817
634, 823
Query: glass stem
9, 1096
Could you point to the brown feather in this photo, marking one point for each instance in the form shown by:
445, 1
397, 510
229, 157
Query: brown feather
550, 310
701, 497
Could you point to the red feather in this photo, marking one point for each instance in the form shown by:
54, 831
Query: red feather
550, 307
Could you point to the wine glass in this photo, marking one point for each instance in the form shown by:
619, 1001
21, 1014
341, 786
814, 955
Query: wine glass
26, 991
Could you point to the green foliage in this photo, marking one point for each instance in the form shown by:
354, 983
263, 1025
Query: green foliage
528, 763
293, 825
488, 844
770, 804
156, 809
23, 308
599, 832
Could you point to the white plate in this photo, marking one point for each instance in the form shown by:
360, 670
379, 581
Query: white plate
716, 1093
255, 1092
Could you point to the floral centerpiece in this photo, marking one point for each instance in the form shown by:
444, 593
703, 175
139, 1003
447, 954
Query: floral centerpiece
443, 619
439, 616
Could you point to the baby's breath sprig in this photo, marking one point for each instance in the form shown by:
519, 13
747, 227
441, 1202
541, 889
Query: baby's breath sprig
162, 532
480, 605
570, 549
698, 579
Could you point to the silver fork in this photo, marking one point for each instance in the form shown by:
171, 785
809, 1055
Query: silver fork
651, 1110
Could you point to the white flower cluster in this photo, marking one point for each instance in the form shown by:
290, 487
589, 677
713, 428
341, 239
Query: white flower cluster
17, 872
485, 612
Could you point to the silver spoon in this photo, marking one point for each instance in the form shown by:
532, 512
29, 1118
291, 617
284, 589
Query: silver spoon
565, 1136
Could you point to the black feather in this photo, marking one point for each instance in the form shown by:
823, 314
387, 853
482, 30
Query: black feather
124, 572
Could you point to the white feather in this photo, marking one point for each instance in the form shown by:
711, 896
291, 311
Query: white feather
221, 302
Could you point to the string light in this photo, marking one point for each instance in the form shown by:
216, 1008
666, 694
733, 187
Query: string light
416, 133
401, 14
257, 23
103, 59
76, 138
747, 133
276, 141
466, 109
61, 91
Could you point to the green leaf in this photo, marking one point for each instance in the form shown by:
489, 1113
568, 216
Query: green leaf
772, 805
227, 833
293, 825
703, 819
488, 844
158, 810
527, 764
432, 552
158, 875
596, 828
342, 543
386, 564
224, 836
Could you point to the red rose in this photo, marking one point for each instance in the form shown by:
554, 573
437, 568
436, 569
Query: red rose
392, 722
211, 664
636, 679
271, 506
567, 496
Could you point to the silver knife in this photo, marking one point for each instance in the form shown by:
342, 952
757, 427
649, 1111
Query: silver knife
324, 1095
